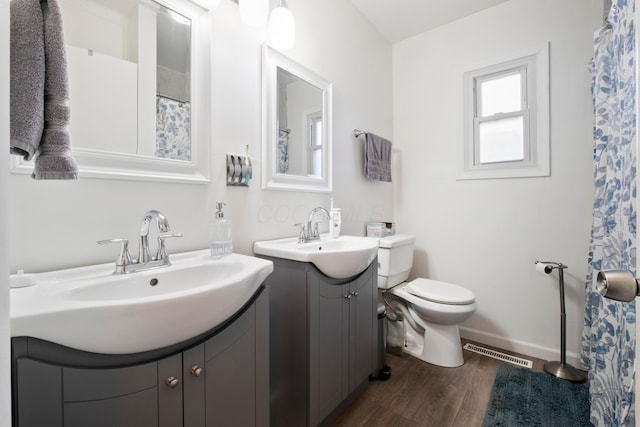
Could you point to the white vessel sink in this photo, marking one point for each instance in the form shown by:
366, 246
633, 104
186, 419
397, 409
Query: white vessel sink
338, 258
91, 309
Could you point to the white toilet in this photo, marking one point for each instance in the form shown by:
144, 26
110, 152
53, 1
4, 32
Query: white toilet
431, 309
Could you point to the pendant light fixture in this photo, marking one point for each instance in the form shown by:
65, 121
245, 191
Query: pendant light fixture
282, 28
254, 12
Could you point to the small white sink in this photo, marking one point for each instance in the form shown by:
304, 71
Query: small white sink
91, 309
340, 258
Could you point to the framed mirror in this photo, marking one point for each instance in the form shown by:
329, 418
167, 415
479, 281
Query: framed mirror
296, 147
139, 73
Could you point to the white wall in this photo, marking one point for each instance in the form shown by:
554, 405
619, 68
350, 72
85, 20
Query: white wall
486, 234
56, 224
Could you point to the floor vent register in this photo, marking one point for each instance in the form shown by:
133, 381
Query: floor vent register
500, 356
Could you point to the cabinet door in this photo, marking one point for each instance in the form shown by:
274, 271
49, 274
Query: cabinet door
328, 346
111, 397
363, 326
193, 372
230, 379
170, 392
135, 410
38, 385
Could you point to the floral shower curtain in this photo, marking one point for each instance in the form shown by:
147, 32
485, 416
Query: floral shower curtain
283, 151
173, 129
609, 337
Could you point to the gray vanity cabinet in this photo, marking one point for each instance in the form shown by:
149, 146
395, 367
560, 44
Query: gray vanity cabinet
323, 340
341, 340
217, 379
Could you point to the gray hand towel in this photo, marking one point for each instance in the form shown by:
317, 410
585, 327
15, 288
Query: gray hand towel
377, 158
54, 159
47, 86
27, 77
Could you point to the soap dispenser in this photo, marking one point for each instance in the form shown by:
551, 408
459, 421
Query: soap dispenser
221, 243
336, 221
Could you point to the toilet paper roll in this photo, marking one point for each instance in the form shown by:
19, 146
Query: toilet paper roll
543, 267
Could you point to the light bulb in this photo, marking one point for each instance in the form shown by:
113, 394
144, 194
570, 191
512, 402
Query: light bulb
254, 12
282, 28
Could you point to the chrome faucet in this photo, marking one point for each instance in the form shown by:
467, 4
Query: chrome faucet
310, 233
124, 263
163, 227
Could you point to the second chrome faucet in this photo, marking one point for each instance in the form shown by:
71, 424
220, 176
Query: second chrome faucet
309, 233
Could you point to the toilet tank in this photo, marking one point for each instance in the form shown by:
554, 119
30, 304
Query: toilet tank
395, 258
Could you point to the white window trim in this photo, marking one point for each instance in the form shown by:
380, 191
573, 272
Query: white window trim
307, 117
538, 162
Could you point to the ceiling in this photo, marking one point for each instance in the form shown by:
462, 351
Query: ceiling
399, 19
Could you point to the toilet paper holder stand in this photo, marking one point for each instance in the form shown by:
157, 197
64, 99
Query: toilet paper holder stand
561, 369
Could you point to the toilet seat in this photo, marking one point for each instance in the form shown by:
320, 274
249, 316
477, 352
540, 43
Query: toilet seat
440, 292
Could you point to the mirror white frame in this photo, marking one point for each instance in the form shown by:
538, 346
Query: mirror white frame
103, 164
271, 178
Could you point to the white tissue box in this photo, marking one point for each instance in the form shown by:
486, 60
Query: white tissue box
381, 229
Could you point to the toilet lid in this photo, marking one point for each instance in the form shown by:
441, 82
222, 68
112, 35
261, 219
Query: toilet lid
440, 292
397, 240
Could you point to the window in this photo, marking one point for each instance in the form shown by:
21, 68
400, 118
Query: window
506, 118
314, 121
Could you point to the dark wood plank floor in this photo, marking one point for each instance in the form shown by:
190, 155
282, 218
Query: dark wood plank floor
425, 395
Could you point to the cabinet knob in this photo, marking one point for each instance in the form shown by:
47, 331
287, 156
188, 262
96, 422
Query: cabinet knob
355, 293
172, 382
347, 296
196, 370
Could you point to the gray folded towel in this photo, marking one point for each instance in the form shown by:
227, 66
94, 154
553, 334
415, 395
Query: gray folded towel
377, 158
48, 85
27, 77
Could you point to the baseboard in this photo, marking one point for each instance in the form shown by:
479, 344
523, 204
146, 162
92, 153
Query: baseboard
517, 346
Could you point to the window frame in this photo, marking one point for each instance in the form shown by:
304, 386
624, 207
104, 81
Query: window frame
314, 124
533, 65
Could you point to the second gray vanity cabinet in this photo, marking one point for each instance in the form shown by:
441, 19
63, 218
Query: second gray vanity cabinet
341, 340
323, 340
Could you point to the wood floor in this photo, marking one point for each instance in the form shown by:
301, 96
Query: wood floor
421, 394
